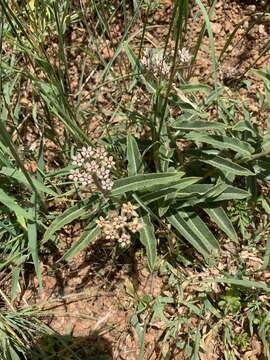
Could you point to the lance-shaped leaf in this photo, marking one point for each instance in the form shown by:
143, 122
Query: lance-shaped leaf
198, 125
184, 230
227, 166
144, 182
218, 215
134, 157
149, 241
222, 142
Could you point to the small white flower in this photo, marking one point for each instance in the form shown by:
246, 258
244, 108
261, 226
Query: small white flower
103, 173
124, 240
92, 167
129, 209
87, 151
107, 184
184, 55
74, 175
134, 226
108, 161
78, 160
100, 153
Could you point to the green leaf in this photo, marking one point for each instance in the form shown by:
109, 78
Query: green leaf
185, 230
10, 203
33, 245
230, 193
144, 182
251, 284
222, 142
198, 125
87, 237
134, 157
227, 166
65, 218
160, 194
218, 215
201, 230
148, 239
20, 177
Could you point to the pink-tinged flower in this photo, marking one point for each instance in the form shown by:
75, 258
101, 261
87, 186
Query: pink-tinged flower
93, 163
100, 153
134, 226
101, 222
107, 184
78, 160
92, 167
119, 222
108, 162
87, 152
129, 209
103, 173
74, 175
124, 240
87, 179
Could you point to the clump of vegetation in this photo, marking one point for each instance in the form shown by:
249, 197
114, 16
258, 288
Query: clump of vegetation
115, 134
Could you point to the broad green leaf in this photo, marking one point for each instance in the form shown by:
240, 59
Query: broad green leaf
218, 215
65, 218
87, 237
227, 166
160, 194
201, 230
144, 182
19, 176
11, 203
208, 196
196, 125
149, 241
184, 229
230, 193
135, 165
222, 142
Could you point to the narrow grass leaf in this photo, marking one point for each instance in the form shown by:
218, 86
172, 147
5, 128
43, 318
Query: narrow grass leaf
87, 237
11, 203
67, 217
33, 245
251, 284
20, 177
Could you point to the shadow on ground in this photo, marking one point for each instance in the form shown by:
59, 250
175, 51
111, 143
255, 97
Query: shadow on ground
57, 347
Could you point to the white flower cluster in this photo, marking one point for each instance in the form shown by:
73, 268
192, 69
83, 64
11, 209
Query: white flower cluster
94, 168
154, 62
119, 225
184, 55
